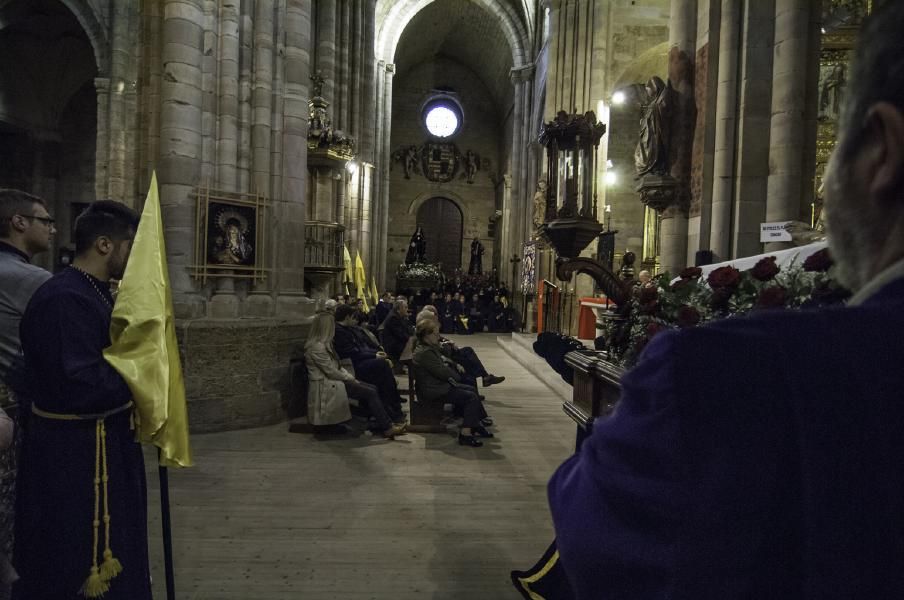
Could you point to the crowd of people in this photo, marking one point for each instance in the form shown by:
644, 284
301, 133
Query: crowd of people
353, 355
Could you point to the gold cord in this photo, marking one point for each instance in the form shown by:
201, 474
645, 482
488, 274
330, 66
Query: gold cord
95, 586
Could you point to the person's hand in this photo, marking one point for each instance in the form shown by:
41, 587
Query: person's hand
460, 368
382, 355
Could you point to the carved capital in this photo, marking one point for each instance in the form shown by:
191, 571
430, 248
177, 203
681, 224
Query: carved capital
390, 68
661, 192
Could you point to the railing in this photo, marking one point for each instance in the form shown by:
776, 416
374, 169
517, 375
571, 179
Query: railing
558, 309
323, 243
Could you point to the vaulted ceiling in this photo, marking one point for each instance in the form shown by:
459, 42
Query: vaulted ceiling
466, 32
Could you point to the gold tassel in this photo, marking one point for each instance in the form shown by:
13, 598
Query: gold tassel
111, 567
95, 586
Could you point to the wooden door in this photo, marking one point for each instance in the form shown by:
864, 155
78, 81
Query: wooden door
441, 221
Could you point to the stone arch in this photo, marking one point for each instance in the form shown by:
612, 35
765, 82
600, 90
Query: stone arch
456, 199
97, 34
400, 13
654, 61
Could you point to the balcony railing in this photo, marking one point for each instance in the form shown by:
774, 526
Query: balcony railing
323, 246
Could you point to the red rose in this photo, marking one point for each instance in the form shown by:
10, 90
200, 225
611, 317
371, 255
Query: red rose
772, 297
819, 261
765, 270
724, 277
691, 273
682, 283
688, 316
648, 294
720, 298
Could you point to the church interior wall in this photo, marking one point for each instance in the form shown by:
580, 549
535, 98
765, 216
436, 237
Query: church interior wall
481, 132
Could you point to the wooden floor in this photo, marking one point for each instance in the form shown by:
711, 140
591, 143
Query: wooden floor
268, 514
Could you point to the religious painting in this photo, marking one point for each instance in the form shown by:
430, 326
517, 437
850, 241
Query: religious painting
529, 268
440, 161
231, 234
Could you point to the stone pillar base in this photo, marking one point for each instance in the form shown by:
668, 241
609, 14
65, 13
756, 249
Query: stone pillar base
258, 305
295, 306
223, 306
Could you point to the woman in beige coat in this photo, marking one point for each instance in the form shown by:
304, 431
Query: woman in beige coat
330, 385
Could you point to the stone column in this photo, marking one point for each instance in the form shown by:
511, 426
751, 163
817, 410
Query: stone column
384, 172
228, 97
180, 145
683, 43
788, 131
102, 149
326, 47
289, 211
261, 99
726, 130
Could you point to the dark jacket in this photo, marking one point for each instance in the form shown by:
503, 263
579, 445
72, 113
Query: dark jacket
755, 457
352, 343
432, 373
396, 331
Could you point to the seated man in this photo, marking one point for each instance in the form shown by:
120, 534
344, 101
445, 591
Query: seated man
466, 357
371, 364
397, 329
759, 457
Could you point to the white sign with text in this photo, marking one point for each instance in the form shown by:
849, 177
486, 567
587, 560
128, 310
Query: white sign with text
775, 232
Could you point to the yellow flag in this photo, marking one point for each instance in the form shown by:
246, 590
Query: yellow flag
144, 348
374, 294
361, 280
348, 277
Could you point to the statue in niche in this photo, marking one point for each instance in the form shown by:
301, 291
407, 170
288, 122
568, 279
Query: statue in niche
318, 80
472, 164
539, 213
652, 153
830, 93
417, 247
475, 267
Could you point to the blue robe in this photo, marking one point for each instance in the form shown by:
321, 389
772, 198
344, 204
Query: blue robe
753, 457
64, 331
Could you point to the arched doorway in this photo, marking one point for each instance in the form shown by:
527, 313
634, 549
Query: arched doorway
48, 109
441, 221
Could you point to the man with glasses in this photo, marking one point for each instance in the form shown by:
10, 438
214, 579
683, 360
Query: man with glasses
26, 229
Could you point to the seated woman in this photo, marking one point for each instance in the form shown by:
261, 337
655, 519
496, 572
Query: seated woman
466, 356
447, 315
437, 382
330, 386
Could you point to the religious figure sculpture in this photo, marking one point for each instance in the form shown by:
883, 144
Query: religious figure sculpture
652, 153
475, 267
539, 214
471, 165
417, 247
409, 161
830, 93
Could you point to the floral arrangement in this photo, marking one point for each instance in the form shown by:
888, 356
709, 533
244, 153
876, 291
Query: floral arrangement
725, 292
420, 271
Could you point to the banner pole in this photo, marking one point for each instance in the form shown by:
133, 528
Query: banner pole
167, 530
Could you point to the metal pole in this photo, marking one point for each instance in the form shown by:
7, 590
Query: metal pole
167, 530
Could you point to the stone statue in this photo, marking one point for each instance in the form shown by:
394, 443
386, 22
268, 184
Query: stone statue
409, 162
830, 93
539, 214
652, 153
471, 165
417, 247
317, 88
475, 267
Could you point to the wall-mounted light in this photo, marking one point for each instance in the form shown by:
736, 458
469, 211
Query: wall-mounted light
611, 179
352, 167
618, 98
609, 164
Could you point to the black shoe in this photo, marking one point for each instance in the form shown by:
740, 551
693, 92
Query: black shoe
481, 432
487, 422
492, 380
469, 440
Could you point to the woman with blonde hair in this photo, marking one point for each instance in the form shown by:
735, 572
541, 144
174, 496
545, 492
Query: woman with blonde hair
330, 386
